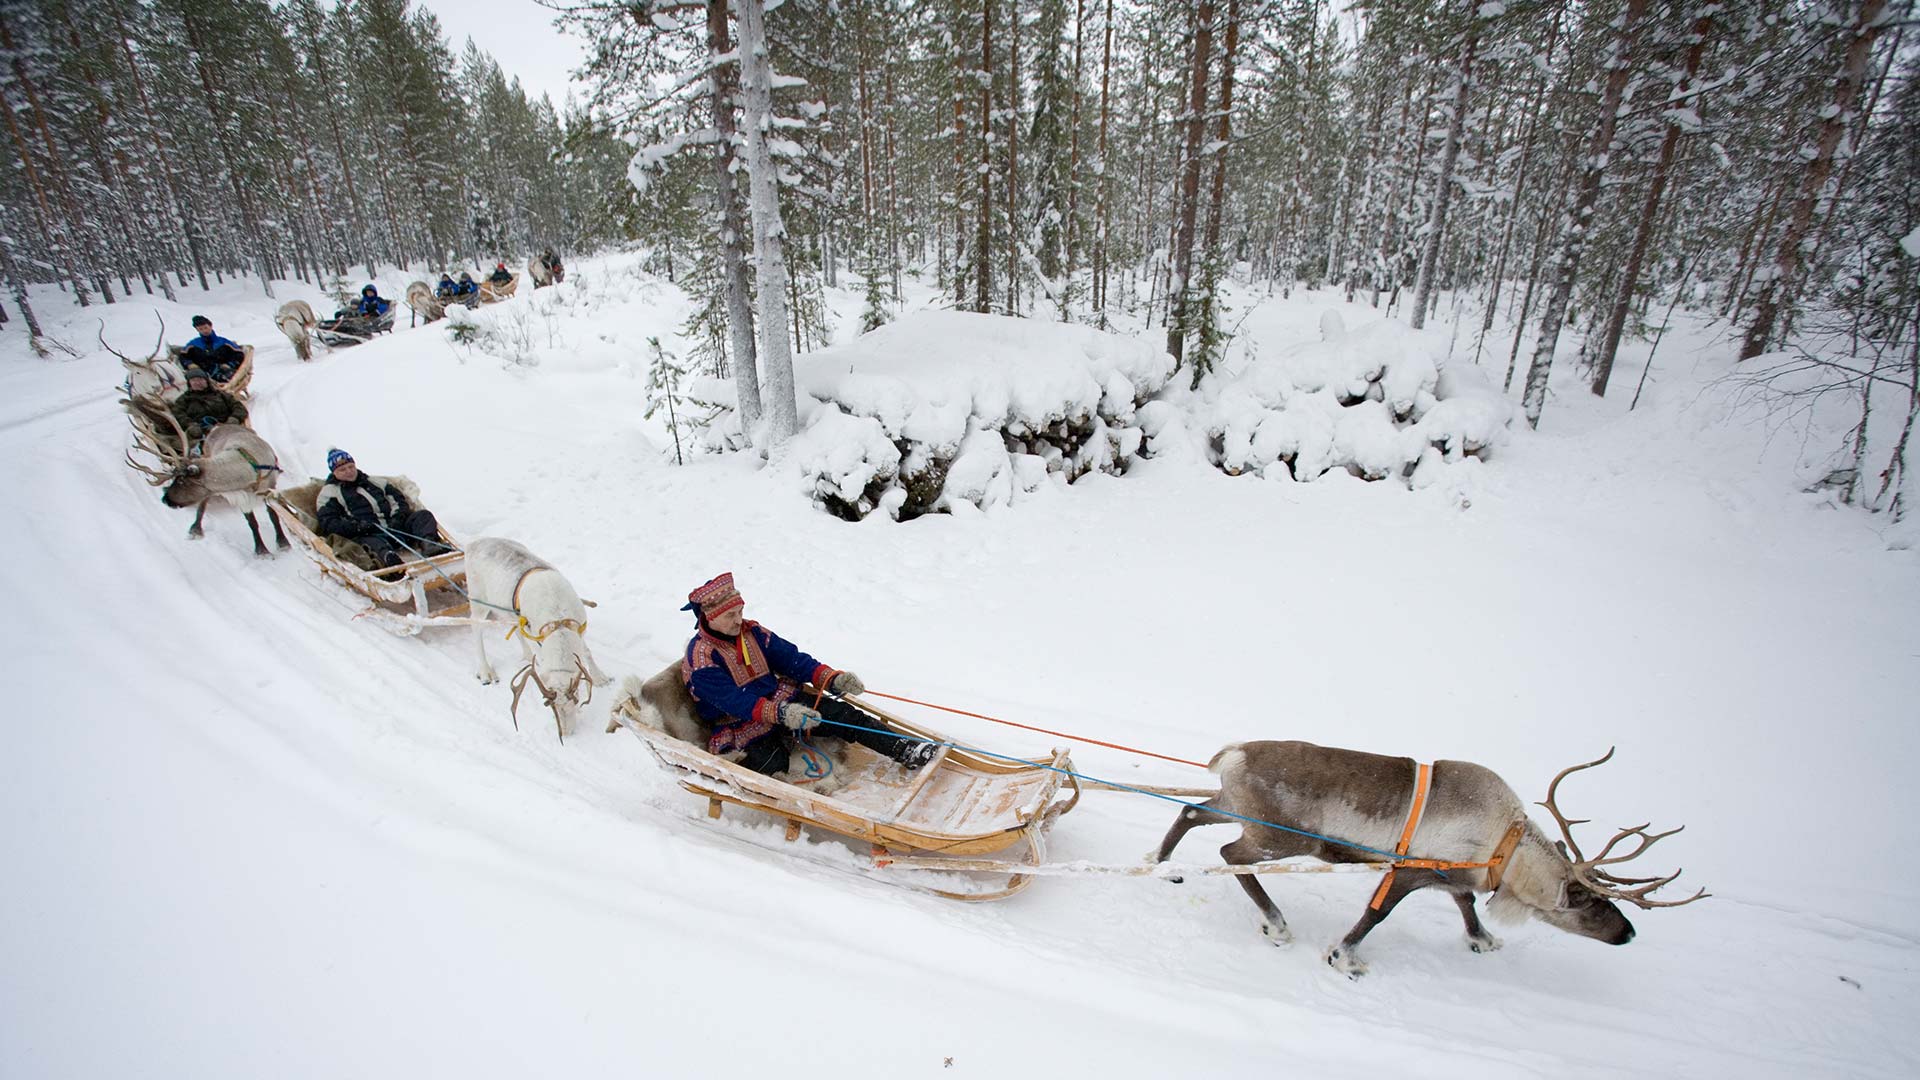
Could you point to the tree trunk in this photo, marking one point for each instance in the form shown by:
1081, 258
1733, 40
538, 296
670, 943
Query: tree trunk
1443, 187
1190, 181
769, 232
1649, 213
983, 239
1103, 213
1846, 96
726, 192
1580, 216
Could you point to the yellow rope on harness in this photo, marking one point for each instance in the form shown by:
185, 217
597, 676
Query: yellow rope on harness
525, 628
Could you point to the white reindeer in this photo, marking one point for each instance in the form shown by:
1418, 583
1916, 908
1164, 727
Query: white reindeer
506, 581
158, 378
296, 320
422, 302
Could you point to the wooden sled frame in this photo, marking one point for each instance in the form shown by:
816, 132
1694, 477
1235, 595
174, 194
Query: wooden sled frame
405, 599
491, 293
958, 804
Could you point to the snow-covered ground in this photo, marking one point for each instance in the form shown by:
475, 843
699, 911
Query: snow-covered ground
246, 835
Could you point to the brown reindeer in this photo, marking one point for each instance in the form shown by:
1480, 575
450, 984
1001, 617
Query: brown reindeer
1469, 817
234, 464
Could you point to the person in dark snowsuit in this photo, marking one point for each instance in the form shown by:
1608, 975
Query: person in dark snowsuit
371, 304
219, 356
373, 512
204, 406
445, 290
745, 682
501, 275
467, 286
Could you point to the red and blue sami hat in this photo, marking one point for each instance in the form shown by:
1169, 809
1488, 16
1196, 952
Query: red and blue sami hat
715, 596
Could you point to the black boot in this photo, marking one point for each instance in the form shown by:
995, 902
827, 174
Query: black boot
912, 755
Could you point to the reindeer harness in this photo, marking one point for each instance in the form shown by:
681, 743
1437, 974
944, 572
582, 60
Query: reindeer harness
1495, 865
525, 629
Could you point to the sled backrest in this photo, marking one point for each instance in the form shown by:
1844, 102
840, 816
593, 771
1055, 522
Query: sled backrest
303, 500
672, 706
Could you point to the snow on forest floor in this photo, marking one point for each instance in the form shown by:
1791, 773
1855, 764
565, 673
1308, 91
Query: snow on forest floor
246, 835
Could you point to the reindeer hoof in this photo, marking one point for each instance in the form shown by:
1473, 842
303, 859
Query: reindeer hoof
262, 553
196, 533
283, 545
1485, 943
487, 678
1278, 935
1346, 963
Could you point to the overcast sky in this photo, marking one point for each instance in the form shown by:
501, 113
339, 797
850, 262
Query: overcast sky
520, 35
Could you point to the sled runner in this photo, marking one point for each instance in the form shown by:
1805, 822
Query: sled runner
354, 329
405, 599
959, 804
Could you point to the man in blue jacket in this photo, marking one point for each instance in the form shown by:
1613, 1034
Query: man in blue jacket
745, 681
219, 357
371, 305
444, 290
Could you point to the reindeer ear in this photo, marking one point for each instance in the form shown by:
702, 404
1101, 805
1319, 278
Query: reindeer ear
1562, 845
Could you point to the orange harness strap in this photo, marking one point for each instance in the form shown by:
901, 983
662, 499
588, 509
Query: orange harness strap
1422, 780
1495, 865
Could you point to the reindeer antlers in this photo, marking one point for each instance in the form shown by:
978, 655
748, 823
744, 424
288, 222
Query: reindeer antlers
1587, 871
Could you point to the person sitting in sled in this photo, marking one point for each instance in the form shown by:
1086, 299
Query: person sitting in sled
467, 286
205, 406
446, 290
373, 512
745, 682
372, 305
501, 275
219, 356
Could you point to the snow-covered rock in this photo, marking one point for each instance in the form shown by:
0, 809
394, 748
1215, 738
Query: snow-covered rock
1368, 401
951, 407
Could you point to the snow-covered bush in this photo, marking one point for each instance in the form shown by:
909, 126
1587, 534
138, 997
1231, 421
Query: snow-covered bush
943, 410
1371, 401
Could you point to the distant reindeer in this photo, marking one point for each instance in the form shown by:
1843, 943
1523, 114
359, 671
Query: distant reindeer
506, 581
422, 302
234, 464
1470, 816
296, 320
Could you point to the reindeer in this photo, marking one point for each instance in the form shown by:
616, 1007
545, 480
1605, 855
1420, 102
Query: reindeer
1472, 824
422, 302
296, 320
664, 704
159, 377
549, 618
234, 464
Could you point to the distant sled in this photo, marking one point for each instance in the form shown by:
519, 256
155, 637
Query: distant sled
405, 599
348, 330
959, 804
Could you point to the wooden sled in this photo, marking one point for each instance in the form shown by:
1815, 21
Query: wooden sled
491, 293
346, 330
405, 599
959, 804
242, 376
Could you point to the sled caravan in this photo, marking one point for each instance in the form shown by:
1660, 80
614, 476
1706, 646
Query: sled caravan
973, 821
429, 303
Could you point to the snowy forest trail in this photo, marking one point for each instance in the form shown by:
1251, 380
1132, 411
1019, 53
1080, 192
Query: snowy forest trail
249, 835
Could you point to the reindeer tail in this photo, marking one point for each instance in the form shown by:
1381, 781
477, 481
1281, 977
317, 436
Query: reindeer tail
1228, 758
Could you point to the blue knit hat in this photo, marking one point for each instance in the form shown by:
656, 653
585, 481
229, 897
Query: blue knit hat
337, 457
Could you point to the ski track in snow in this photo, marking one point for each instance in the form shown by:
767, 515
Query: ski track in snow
249, 835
